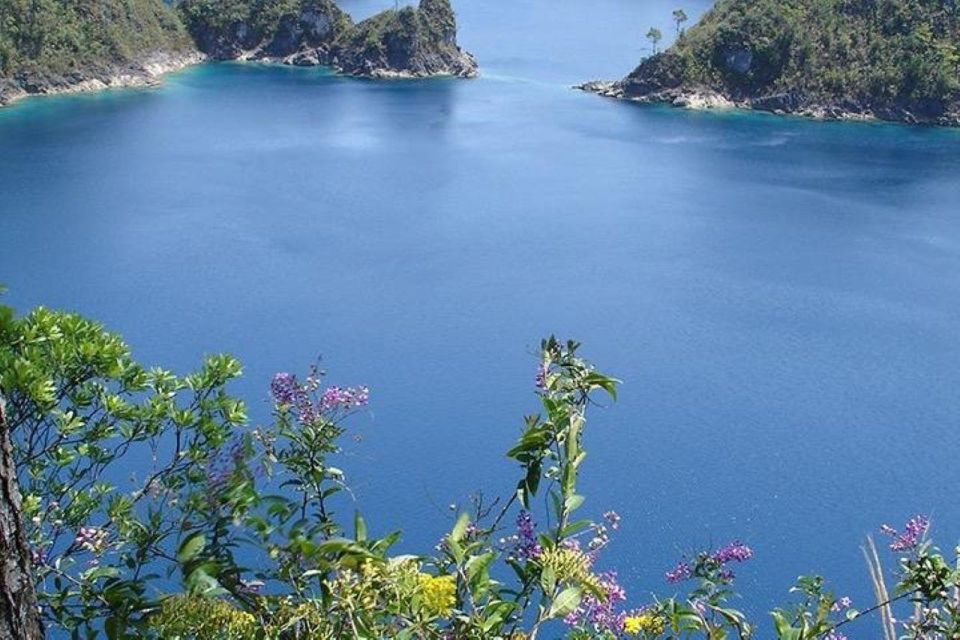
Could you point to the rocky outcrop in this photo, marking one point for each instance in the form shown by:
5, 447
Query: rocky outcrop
147, 71
253, 30
406, 43
772, 55
409, 42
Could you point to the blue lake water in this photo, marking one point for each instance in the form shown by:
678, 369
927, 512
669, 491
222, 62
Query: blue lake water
781, 296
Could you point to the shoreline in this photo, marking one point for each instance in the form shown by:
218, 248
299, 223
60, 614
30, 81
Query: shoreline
471, 71
151, 70
147, 72
708, 99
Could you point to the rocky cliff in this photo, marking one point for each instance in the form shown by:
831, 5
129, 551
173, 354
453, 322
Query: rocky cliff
887, 59
231, 30
409, 42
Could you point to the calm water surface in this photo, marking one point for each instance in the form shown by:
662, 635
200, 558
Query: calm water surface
781, 296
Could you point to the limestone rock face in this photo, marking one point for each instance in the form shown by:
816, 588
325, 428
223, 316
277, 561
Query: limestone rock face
146, 71
409, 42
250, 31
406, 43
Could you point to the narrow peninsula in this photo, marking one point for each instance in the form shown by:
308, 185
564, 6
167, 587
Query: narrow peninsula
896, 60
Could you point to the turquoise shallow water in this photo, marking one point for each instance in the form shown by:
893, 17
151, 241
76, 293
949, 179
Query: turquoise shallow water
781, 296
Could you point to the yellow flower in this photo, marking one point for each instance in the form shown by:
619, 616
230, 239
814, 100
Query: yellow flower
438, 593
647, 623
572, 566
203, 619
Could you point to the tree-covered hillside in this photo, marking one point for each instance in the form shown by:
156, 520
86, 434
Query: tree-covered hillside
226, 28
58, 37
898, 59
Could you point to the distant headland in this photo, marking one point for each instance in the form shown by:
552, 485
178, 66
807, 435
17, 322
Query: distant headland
896, 60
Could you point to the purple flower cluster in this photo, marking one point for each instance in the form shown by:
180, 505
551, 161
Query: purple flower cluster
834, 635
601, 613
683, 571
289, 393
285, 389
334, 398
842, 604
525, 542
541, 379
91, 539
733, 552
613, 519
37, 555
911, 536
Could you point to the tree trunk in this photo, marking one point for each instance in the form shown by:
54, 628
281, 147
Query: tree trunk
19, 617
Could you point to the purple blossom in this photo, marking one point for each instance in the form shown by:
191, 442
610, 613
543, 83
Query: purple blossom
733, 552
601, 613
91, 539
285, 389
683, 571
527, 547
600, 538
289, 393
37, 555
541, 378
699, 606
613, 519
842, 604
334, 398
834, 635
912, 534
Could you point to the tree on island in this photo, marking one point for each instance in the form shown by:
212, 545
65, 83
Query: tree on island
679, 17
654, 36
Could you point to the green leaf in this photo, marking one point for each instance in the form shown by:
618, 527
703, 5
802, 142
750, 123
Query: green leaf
360, 527
548, 580
460, 529
191, 547
572, 503
565, 602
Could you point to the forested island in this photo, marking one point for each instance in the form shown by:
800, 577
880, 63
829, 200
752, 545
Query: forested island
57, 47
893, 60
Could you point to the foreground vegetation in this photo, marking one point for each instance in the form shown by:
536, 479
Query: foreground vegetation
233, 532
